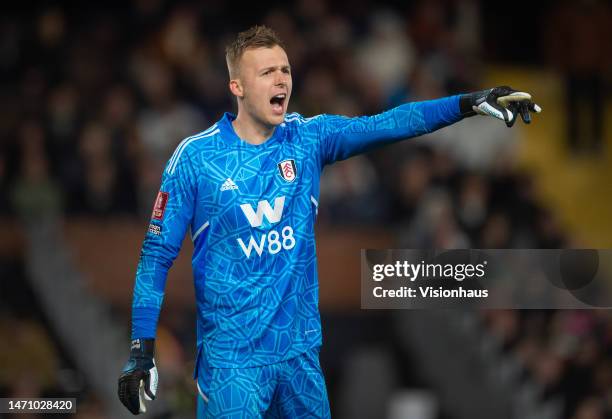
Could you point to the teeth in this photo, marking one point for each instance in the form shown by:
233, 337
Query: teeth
281, 96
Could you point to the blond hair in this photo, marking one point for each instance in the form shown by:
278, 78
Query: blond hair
258, 36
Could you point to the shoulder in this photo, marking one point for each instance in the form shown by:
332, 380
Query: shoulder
189, 144
296, 119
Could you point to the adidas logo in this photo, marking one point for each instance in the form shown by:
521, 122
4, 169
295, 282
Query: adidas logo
228, 185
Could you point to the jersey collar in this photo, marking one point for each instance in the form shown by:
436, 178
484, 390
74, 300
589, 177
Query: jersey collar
229, 134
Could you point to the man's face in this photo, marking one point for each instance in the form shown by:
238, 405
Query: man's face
265, 78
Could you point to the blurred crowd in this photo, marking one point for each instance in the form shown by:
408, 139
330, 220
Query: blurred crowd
565, 359
95, 100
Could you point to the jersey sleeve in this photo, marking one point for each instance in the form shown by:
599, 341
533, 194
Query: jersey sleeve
342, 137
172, 214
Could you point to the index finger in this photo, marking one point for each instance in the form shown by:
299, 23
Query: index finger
513, 97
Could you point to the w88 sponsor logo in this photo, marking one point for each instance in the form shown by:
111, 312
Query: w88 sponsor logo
273, 241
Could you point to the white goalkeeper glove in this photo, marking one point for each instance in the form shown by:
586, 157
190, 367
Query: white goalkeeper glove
501, 102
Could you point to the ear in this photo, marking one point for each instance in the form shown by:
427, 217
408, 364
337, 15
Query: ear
236, 88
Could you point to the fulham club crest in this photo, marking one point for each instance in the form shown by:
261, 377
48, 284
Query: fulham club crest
288, 170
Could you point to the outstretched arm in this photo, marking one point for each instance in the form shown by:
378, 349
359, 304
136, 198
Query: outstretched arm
342, 137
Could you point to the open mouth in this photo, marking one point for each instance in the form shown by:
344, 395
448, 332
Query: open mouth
278, 102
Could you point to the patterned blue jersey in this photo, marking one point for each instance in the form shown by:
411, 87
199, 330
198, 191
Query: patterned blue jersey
251, 211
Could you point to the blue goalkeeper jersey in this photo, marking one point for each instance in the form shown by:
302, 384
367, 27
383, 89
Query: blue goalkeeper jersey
251, 211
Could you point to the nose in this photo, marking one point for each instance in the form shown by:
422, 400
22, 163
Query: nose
281, 79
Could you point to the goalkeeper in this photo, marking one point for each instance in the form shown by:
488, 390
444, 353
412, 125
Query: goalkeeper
247, 189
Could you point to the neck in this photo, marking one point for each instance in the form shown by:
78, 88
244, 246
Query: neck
250, 130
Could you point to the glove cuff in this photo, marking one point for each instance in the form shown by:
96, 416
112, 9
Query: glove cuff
465, 105
142, 348
469, 100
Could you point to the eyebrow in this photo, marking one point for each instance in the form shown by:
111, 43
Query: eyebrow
282, 67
